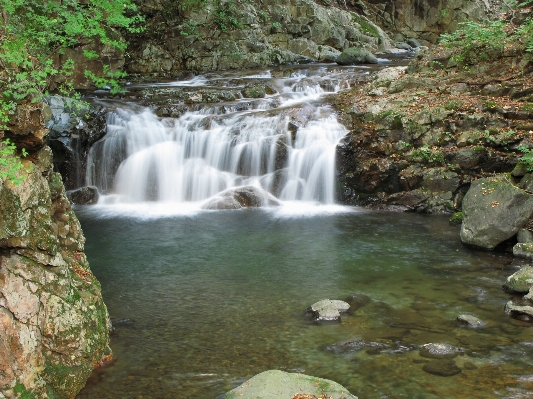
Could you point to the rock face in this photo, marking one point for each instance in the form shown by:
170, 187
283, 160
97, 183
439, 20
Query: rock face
275, 384
425, 19
493, 211
251, 34
54, 326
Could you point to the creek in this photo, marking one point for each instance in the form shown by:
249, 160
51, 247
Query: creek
204, 299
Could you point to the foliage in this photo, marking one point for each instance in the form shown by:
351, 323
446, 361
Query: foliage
10, 163
226, 15
34, 34
478, 41
527, 158
428, 155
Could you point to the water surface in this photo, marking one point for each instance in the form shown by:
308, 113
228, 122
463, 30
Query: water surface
214, 298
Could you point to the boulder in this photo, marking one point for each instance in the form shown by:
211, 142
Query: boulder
83, 196
493, 211
356, 55
513, 309
523, 250
521, 281
241, 197
328, 310
276, 384
471, 321
439, 351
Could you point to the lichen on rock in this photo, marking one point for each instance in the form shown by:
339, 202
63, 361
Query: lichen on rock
54, 325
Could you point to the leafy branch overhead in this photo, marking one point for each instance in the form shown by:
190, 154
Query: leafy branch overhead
34, 34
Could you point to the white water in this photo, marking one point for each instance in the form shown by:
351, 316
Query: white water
157, 162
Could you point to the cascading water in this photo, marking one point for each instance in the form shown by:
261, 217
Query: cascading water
209, 149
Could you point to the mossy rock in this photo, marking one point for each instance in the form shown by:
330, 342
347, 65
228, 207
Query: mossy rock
356, 55
521, 281
275, 384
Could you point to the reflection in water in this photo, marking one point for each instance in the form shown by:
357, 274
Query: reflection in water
216, 297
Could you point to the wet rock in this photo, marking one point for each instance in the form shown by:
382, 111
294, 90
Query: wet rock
83, 196
439, 351
523, 250
241, 197
349, 346
518, 310
471, 321
357, 301
328, 310
413, 43
521, 281
442, 368
275, 384
524, 236
467, 158
356, 55
529, 295
526, 183
493, 211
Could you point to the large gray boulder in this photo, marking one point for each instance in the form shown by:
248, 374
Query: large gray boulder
493, 211
275, 384
241, 197
356, 55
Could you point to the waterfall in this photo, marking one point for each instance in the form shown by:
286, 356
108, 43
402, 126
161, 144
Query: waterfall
212, 148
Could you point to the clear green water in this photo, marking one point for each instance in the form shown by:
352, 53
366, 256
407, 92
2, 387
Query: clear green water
218, 297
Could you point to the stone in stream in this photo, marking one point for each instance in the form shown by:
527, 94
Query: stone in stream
471, 321
83, 196
356, 55
442, 368
439, 351
521, 281
276, 384
328, 310
513, 309
493, 211
241, 197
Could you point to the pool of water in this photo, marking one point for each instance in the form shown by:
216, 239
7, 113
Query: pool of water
213, 298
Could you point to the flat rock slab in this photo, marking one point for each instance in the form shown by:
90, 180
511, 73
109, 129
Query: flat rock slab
275, 384
442, 368
328, 310
521, 281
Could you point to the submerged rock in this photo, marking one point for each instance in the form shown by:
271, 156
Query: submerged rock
328, 310
275, 384
442, 368
439, 351
241, 197
521, 281
471, 321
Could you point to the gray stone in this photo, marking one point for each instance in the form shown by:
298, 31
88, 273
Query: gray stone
471, 321
413, 43
328, 310
275, 384
529, 295
511, 308
519, 170
441, 180
527, 182
83, 196
524, 236
439, 351
356, 55
521, 281
241, 197
493, 211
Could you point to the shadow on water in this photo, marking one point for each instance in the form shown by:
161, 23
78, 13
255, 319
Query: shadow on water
204, 302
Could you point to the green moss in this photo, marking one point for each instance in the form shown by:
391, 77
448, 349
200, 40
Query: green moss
366, 26
457, 218
22, 392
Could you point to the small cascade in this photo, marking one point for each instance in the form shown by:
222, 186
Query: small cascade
283, 143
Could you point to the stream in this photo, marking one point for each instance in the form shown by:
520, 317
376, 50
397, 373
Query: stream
202, 298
